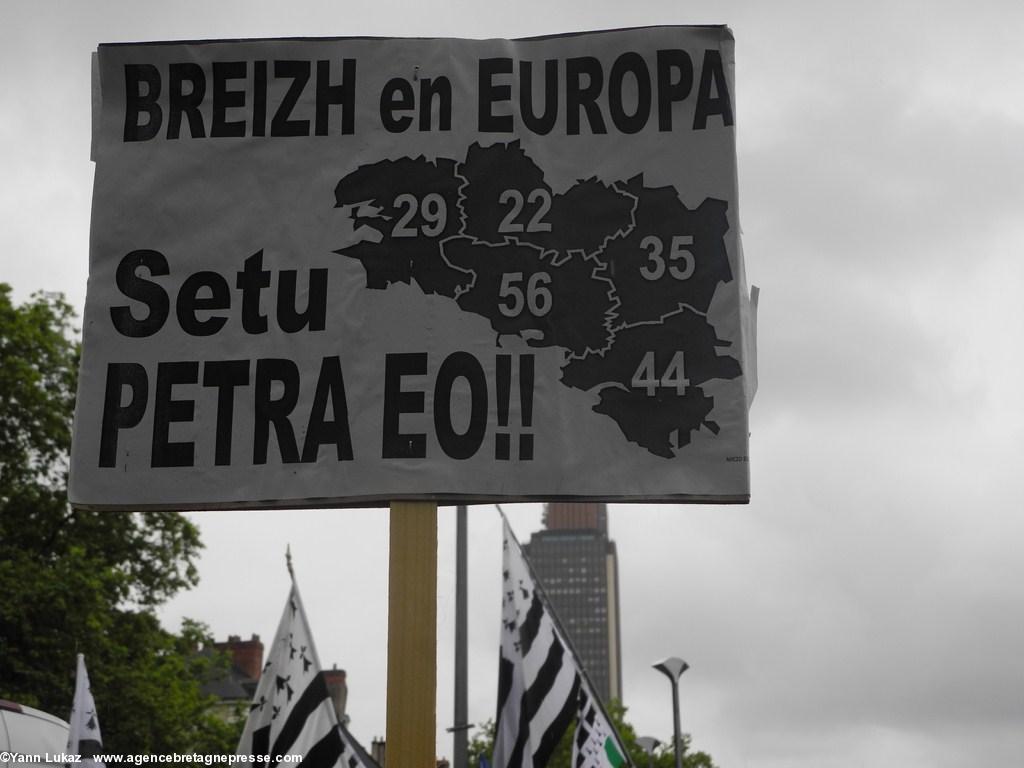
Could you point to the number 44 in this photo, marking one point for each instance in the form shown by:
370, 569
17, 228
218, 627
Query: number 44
673, 378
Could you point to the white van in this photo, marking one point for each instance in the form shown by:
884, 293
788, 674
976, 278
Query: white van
28, 731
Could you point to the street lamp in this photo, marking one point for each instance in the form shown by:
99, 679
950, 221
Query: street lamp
672, 668
648, 744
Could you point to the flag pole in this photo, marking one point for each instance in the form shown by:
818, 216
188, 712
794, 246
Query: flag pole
460, 726
412, 635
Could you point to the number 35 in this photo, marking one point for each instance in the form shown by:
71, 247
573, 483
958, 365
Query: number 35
678, 251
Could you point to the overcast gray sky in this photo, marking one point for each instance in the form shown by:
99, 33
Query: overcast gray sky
867, 608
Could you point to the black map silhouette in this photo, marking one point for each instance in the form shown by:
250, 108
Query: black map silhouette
619, 274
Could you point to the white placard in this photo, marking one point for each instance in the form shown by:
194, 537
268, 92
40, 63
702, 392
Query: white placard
348, 271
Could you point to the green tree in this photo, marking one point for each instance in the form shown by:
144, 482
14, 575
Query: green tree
482, 745
74, 581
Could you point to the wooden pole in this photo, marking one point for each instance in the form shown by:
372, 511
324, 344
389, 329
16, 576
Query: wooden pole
460, 724
412, 636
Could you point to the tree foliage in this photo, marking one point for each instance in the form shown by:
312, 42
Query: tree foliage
37, 388
482, 745
73, 581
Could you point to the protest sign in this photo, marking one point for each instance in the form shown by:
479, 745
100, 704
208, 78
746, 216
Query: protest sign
330, 272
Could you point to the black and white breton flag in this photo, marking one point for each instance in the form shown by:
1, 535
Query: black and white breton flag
541, 684
595, 743
291, 712
84, 726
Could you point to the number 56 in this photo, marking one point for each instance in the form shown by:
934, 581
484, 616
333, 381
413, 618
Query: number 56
537, 298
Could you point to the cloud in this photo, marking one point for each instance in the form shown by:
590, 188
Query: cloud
864, 609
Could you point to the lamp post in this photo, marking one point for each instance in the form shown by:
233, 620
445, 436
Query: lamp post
648, 744
672, 668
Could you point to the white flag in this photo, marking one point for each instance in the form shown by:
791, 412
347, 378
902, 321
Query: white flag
541, 682
537, 679
291, 712
596, 745
84, 734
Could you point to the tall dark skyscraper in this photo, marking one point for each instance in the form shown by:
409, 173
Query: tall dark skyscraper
577, 564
